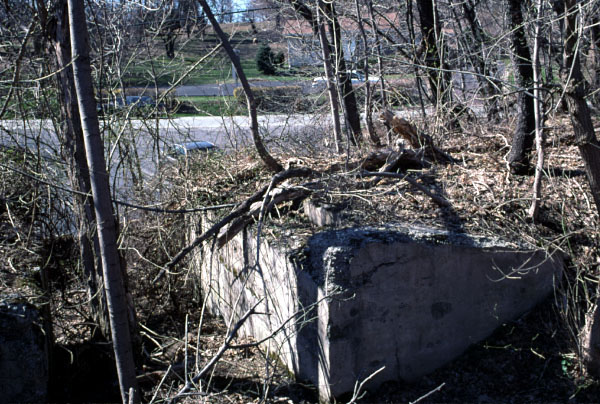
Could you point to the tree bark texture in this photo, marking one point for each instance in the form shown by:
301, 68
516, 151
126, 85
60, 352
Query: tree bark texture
344, 80
73, 152
589, 147
439, 78
269, 161
579, 112
524, 134
595, 32
538, 113
99, 181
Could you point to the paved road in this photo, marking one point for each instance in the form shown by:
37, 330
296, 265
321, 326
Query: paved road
303, 133
227, 89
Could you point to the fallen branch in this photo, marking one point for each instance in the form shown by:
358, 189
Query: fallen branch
359, 386
278, 196
390, 160
239, 211
423, 397
437, 199
407, 159
304, 314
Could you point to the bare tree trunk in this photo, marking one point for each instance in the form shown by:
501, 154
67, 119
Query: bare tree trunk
344, 79
71, 137
415, 54
539, 121
522, 142
368, 103
335, 61
333, 96
269, 161
589, 147
490, 86
439, 79
107, 232
378, 51
558, 7
586, 140
595, 31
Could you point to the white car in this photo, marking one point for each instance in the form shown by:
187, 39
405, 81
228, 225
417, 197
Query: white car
183, 150
355, 77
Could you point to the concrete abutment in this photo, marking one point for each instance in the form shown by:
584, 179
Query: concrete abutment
344, 303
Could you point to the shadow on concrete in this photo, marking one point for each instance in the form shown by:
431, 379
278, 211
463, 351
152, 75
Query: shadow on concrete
452, 221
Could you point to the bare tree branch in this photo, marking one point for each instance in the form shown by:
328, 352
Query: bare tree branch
226, 346
17, 64
239, 211
269, 161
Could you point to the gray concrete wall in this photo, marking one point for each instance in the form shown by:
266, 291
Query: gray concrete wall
405, 299
232, 284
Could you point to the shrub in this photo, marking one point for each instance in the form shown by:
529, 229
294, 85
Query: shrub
278, 59
266, 60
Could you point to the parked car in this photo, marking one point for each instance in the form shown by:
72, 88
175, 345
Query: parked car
136, 100
189, 149
355, 76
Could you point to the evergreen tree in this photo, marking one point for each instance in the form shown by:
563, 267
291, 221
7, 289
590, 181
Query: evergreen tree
264, 60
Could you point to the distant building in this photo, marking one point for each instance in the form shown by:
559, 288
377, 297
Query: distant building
303, 47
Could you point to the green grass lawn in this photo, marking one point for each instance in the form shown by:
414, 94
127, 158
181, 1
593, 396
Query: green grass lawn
214, 70
228, 106
213, 106
168, 71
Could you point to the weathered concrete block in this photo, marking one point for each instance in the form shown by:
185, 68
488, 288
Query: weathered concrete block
23, 354
323, 214
349, 302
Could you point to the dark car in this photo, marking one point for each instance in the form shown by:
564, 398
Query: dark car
136, 100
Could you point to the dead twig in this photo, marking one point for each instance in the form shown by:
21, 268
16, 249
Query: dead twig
359, 386
437, 199
162, 380
226, 345
278, 196
423, 397
239, 211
